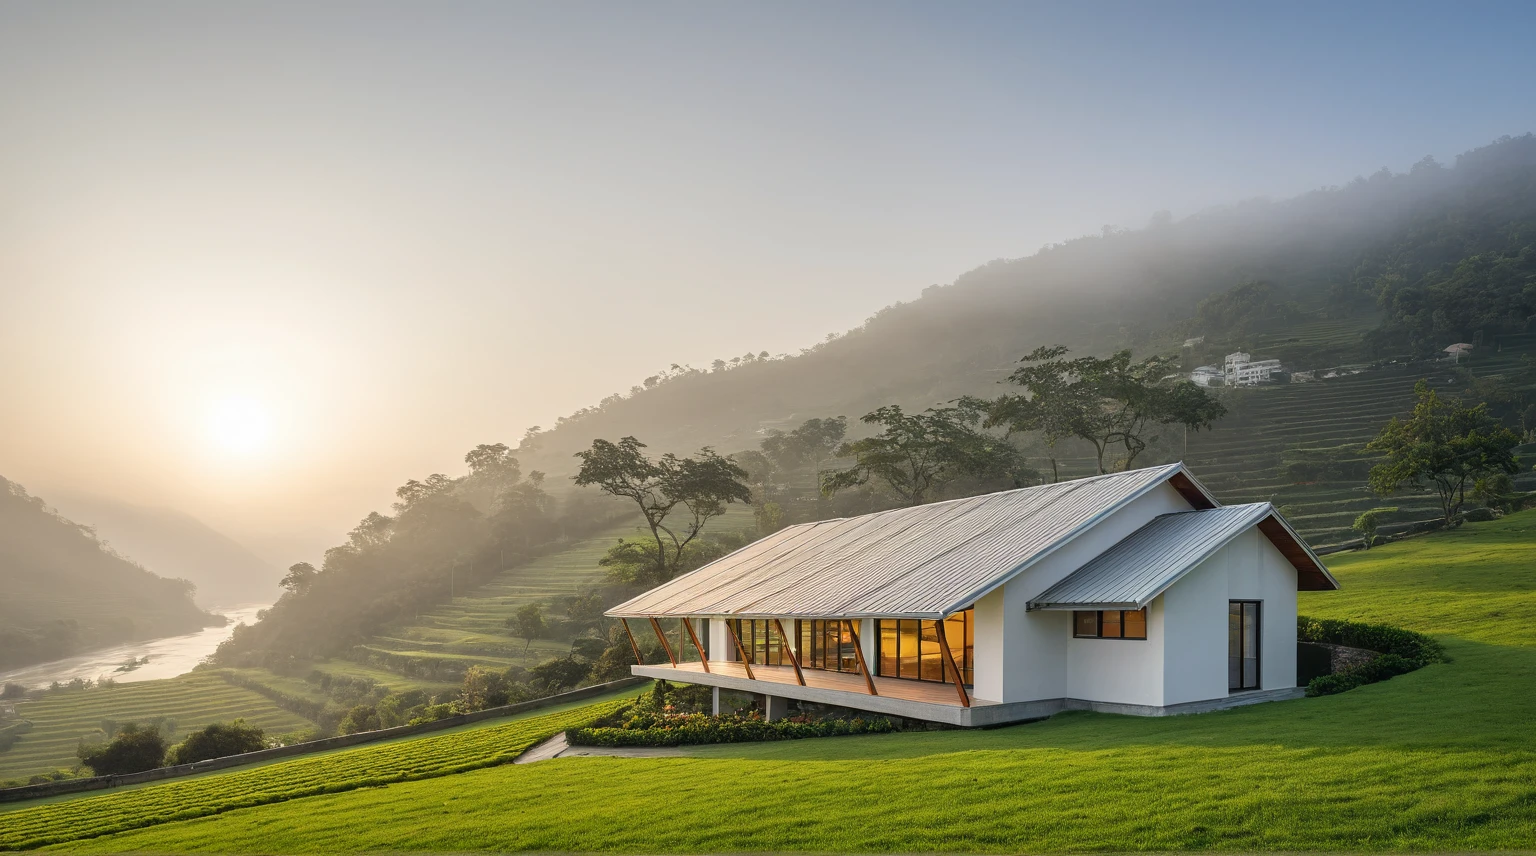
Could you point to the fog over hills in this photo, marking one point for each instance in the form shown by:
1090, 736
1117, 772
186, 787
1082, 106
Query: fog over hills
174, 544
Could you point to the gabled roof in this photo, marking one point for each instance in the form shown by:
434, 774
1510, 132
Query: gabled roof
924, 562
1151, 559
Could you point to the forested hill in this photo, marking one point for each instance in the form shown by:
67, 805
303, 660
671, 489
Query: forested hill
62, 592
176, 544
1436, 255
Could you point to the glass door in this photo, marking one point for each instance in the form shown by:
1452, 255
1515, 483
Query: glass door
1242, 645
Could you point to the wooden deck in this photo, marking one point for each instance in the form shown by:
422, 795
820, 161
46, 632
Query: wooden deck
891, 688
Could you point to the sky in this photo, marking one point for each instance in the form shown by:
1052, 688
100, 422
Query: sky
263, 262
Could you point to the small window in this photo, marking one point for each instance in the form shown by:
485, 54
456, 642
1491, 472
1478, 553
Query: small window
1110, 624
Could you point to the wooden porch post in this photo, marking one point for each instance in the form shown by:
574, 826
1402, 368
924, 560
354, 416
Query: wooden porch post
688, 625
858, 650
949, 657
746, 662
793, 660
656, 625
639, 660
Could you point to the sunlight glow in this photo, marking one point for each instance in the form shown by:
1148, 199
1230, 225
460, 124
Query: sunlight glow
241, 426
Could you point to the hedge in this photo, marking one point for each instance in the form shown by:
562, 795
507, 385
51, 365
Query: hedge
701, 728
1402, 651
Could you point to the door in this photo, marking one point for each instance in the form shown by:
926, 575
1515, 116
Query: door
1242, 645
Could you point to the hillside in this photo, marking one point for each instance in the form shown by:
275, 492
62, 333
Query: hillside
1366, 265
61, 719
176, 544
65, 592
1437, 760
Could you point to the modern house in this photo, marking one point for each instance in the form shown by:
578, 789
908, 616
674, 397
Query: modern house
1208, 376
1241, 369
1135, 592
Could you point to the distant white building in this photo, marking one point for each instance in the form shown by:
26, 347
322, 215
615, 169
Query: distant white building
1241, 369
1455, 352
1198, 340
1208, 376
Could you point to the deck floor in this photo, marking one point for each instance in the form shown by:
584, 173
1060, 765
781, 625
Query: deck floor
896, 688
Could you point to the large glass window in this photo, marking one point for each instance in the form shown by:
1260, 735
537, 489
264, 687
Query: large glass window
760, 639
1110, 624
910, 649
827, 645
1242, 645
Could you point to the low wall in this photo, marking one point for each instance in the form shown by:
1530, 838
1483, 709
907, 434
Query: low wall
95, 783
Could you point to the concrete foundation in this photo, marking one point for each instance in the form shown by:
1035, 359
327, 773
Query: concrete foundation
775, 707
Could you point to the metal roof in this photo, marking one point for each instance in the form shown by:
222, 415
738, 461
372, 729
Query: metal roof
1144, 564
924, 562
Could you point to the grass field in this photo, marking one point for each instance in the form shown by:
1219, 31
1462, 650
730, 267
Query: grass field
61, 719
1440, 759
474, 747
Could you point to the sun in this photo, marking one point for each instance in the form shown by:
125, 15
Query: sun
239, 425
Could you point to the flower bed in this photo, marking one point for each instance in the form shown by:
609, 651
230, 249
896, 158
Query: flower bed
683, 729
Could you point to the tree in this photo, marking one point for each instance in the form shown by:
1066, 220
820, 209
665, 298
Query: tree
218, 740
1367, 523
916, 456
134, 750
12, 691
299, 577
701, 486
1443, 445
1108, 402
363, 717
527, 623
556, 675
813, 442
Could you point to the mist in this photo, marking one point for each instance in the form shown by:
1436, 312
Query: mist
264, 263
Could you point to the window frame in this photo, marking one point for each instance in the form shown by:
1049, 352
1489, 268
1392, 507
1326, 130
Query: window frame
1098, 624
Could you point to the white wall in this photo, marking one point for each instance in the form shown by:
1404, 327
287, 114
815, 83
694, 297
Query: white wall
1124, 671
1022, 656
1195, 619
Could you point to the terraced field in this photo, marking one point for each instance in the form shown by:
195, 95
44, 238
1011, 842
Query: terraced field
368, 767
60, 720
430, 651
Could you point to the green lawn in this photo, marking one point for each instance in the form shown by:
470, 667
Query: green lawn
476, 746
1441, 759
61, 719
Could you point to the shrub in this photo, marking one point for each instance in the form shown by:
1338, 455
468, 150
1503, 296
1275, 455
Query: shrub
133, 750
217, 741
1380, 669
1402, 651
1414, 647
685, 729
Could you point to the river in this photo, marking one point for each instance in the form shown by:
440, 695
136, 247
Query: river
168, 657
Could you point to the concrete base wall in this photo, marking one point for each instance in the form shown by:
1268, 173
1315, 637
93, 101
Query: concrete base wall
981, 713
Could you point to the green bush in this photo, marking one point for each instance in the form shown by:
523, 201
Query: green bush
1411, 646
218, 740
1380, 669
133, 750
1402, 651
686, 729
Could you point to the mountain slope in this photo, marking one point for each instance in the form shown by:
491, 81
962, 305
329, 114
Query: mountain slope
177, 545
1350, 253
65, 592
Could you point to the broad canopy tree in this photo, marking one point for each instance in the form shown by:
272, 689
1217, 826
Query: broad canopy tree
1112, 403
675, 495
917, 455
1445, 446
